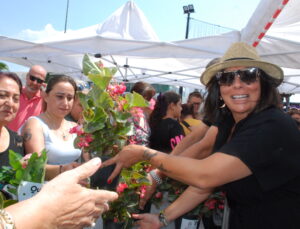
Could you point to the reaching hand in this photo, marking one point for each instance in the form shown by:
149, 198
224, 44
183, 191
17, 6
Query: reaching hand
147, 221
127, 157
72, 205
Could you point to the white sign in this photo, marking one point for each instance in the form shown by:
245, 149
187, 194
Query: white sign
28, 189
189, 224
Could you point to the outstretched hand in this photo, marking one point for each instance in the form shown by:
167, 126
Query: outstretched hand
147, 221
127, 157
73, 205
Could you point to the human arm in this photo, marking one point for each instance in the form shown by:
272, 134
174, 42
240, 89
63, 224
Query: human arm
210, 172
199, 150
187, 201
63, 202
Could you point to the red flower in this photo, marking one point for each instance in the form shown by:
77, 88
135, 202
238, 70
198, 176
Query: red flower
158, 195
210, 204
121, 187
143, 191
77, 130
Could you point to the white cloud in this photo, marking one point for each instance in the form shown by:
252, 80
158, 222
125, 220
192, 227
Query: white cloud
32, 35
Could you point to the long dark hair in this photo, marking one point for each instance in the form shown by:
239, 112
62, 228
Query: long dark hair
55, 80
161, 106
214, 111
12, 76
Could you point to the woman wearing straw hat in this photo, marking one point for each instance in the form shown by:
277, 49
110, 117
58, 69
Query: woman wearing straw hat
256, 153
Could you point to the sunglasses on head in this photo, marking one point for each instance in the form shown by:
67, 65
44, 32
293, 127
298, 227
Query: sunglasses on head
33, 78
248, 76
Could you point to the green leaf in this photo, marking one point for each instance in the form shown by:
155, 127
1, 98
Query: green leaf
101, 81
3, 67
136, 100
14, 160
89, 67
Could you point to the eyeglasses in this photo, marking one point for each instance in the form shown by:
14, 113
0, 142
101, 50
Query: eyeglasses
33, 78
248, 76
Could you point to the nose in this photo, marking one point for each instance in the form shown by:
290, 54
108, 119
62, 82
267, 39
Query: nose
9, 101
237, 81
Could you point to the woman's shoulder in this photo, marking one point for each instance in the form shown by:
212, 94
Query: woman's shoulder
33, 122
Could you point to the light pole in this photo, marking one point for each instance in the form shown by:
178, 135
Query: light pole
188, 10
66, 20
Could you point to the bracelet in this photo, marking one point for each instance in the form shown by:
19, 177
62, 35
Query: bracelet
155, 177
162, 218
6, 220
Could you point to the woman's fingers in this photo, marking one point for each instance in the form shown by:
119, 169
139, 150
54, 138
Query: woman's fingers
115, 173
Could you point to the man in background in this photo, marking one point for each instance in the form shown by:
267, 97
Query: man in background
195, 99
30, 98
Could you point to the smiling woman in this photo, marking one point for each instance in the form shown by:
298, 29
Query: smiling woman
10, 89
256, 151
50, 130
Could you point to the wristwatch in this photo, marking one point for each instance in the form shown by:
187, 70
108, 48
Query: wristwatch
162, 218
155, 177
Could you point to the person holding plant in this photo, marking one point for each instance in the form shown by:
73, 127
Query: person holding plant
256, 152
51, 131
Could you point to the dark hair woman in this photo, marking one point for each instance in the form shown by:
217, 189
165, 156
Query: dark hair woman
256, 152
10, 89
50, 130
166, 131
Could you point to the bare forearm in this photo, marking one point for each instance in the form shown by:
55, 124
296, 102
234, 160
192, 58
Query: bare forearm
52, 171
187, 201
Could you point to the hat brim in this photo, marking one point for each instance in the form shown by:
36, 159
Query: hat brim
271, 69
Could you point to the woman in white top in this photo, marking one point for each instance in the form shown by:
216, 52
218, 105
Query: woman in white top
50, 130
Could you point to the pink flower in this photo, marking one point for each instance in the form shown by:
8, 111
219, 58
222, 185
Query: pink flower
158, 195
121, 187
137, 112
143, 191
221, 206
77, 130
88, 138
116, 220
25, 159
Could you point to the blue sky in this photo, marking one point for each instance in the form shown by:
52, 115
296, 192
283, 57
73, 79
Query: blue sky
19, 18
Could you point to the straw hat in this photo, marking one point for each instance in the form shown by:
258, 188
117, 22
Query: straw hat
241, 54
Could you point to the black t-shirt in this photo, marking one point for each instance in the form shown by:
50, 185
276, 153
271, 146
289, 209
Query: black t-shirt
15, 144
166, 135
268, 143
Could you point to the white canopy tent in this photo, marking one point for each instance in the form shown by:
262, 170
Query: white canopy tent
127, 40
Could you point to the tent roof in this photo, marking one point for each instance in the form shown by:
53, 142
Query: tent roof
126, 40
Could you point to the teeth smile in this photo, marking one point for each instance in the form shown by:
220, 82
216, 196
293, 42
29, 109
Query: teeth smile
239, 96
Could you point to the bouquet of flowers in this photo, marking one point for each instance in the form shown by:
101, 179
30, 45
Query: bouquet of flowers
106, 129
29, 168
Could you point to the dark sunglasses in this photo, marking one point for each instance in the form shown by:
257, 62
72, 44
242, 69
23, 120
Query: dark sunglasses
33, 78
248, 76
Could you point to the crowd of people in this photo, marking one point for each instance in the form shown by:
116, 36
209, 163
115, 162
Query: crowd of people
236, 139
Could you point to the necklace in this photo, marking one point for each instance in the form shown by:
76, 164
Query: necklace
60, 131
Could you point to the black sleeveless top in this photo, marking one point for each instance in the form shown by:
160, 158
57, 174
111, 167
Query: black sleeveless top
15, 144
